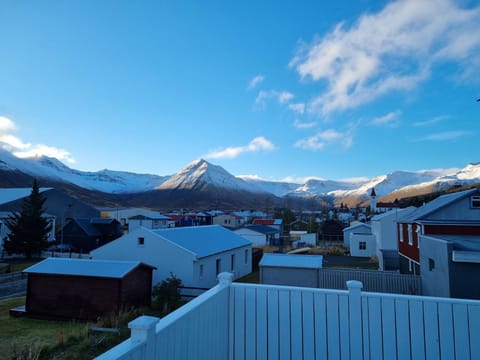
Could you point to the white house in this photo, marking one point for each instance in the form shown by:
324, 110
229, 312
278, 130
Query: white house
355, 228
196, 255
150, 221
363, 245
230, 221
259, 235
384, 228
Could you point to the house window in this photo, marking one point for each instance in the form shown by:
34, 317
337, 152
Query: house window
201, 271
246, 256
410, 236
218, 265
475, 202
141, 241
431, 264
232, 263
400, 231
362, 245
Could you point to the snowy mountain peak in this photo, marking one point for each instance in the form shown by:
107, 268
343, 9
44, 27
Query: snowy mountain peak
200, 173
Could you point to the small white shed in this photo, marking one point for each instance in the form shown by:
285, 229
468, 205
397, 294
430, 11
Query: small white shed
290, 269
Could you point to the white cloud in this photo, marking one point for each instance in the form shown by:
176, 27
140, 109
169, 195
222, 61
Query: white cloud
324, 138
433, 121
258, 144
297, 107
388, 119
446, 135
256, 80
304, 125
392, 50
281, 97
17, 147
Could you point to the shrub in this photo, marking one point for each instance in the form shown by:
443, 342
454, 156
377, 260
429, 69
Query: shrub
166, 295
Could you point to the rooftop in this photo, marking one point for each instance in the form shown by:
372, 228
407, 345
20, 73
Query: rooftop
203, 240
84, 267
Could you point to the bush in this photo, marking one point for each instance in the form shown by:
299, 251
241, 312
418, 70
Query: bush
166, 295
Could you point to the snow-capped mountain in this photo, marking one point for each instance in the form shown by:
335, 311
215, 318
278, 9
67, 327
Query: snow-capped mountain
200, 176
200, 173
105, 180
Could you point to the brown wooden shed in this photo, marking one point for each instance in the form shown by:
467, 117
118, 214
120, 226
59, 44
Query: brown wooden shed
86, 289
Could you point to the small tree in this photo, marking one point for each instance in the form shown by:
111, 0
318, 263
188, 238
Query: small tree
28, 229
166, 295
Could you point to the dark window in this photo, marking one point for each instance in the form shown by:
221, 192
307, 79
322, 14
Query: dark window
218, 266
141, 241
431, 264
362, 245
232, 268
475, 202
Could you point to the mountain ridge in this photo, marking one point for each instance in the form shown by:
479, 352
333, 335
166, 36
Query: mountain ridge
209, 184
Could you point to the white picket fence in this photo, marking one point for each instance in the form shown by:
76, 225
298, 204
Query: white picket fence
244, 321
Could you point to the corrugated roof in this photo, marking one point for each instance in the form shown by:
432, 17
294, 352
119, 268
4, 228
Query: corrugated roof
84, 267
264, 229
436, 204
295, 261
203, 240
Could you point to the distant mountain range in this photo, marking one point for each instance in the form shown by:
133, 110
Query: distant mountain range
202, 185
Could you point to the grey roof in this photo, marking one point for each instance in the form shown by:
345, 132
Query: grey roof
84, 267
149, 217
12, 194
436, 204
460, 242
86, 225
264, 229
290, 260
203, 240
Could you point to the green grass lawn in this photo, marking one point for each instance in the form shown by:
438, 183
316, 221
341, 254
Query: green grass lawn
20, 337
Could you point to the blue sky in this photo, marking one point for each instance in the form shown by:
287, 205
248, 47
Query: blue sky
276, 89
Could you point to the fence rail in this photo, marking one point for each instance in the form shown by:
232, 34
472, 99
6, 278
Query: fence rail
372, 280
238, 321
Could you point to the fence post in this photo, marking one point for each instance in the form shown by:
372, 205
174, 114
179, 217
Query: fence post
225, 278
355, 317
143, 331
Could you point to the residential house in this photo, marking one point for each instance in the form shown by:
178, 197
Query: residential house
302, 238
196, 255
248, 216
290, 270
230, 221
450, 214
57, 204
86, 234
150, 221
355, 228
448, 264
86, 289
274, 223
384, 228
259, 235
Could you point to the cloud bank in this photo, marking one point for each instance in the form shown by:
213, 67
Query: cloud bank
392, 50
13, 144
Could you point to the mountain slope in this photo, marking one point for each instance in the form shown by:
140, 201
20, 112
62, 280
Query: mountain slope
201, 184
